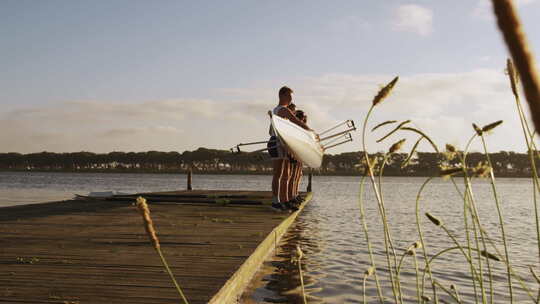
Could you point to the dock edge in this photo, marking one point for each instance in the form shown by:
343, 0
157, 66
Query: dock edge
237, 283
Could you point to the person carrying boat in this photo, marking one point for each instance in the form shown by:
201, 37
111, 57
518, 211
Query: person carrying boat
296, 168
280, 156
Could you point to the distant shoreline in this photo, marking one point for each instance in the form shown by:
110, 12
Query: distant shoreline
201, 172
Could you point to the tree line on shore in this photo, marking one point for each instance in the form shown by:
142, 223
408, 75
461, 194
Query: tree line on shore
205, 160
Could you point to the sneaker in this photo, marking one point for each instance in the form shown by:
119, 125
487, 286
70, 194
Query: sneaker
278, 207
298, 200
290, 205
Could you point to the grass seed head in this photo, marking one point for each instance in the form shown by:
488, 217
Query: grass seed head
482, 170
385, 91
396, 146
412, 249
491, 126
489, 255
435, 220
142, 206
513, 75
477, 129
370, 271
426, 298
450, 148
299, 252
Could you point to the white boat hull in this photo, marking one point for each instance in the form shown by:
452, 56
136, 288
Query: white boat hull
301, 143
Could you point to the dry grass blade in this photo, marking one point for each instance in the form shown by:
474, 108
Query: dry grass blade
383, 124
514, 77
394, 130
424, 135
409, 157
385, 91
515, 39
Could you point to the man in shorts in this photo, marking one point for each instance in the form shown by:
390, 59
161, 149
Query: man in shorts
279, 154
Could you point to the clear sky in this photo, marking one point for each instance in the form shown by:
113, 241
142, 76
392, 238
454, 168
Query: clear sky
176, 75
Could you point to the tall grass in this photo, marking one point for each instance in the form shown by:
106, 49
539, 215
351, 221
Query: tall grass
143, 209
481, 249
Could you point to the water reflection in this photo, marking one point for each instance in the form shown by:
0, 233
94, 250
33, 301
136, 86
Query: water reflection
336, 254
330, 234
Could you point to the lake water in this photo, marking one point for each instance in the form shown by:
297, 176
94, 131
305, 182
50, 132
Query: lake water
329, 230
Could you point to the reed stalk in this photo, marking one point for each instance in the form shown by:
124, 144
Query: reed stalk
378, 198
299, 256
456, 298
501, 220
142, 206
529, 136
366, 234
421, 235
478, 233
370, 271
392, 149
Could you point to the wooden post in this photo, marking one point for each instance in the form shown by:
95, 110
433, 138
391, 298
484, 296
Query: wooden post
189, 180
309, 181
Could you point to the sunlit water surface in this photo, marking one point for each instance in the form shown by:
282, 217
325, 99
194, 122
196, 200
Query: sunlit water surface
330, 233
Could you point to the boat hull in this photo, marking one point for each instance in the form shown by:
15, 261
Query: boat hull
301, 143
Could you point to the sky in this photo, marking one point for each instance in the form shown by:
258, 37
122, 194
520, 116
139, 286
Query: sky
132, 75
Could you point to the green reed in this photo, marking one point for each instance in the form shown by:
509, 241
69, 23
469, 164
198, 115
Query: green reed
474, 251
366, 235
297, 259
389, 248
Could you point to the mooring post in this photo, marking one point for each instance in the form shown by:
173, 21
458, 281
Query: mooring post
189, 179
309, 181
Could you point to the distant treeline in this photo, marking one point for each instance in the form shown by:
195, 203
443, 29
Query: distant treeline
205, 160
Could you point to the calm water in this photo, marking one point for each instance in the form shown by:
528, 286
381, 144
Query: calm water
329, 229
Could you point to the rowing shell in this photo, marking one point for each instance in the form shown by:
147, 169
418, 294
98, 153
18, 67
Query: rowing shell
303, 144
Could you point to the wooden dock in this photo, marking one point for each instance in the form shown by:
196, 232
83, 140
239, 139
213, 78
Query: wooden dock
96, 251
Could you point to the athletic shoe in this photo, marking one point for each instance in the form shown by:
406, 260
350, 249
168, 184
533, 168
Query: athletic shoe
278, 207
298, 200
290, 205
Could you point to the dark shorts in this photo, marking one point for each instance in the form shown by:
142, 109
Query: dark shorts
275, 149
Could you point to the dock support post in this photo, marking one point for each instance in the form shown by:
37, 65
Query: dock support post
189, 179
309, 181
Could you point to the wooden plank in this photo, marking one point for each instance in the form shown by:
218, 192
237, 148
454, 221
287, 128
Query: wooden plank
98, 252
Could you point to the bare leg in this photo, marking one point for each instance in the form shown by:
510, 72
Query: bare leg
292, 181
278, 171
284, 181
298, 177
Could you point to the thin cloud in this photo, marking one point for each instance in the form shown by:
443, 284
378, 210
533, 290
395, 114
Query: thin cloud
444, 105
413, 18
